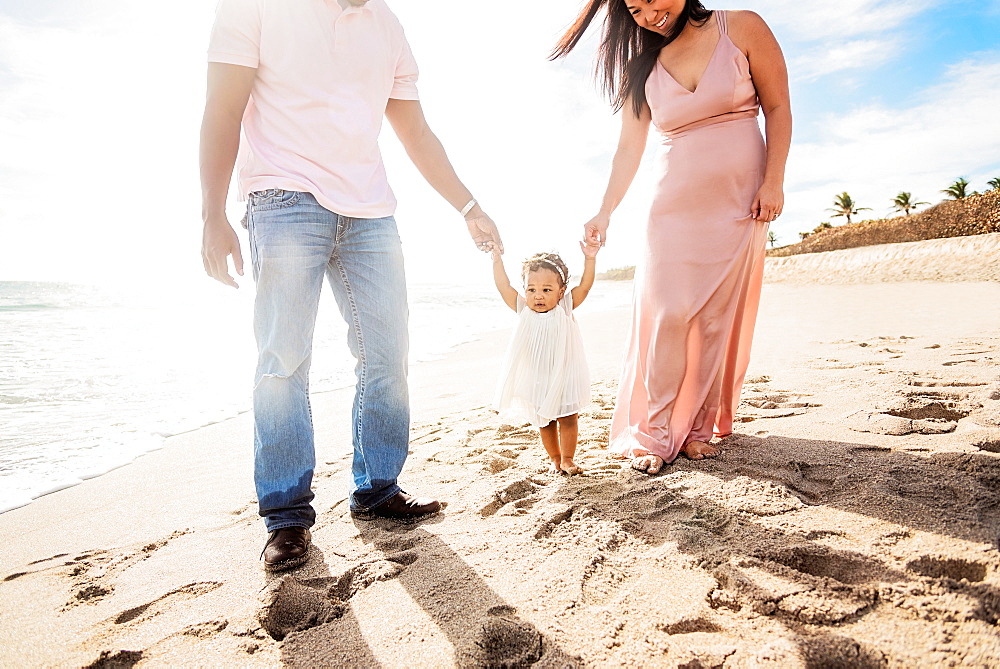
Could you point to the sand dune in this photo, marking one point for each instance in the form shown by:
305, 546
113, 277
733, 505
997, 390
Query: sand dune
974, 258
853, 520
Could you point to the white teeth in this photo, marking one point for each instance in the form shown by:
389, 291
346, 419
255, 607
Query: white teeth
663, 21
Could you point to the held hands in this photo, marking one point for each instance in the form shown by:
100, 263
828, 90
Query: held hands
595, 231
484, 231
218, 242
590, 250
768, 203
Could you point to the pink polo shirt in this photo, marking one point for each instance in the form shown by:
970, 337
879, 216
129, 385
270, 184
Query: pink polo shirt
324, 76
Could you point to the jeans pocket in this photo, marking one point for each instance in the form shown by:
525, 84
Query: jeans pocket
273, 198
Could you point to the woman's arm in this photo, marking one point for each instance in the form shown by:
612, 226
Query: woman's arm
631, 144
587, 280
770, 78
502, 281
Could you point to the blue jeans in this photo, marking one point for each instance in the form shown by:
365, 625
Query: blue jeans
293, 243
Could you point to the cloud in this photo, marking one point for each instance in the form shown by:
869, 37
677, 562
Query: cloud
830, 58
826, 38
839, 21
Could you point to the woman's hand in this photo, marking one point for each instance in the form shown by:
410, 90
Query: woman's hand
768, 203
595, 231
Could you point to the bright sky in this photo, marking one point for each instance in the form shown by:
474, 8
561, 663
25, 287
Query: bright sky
101, 100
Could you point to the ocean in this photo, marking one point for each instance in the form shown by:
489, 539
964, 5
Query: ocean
93, 377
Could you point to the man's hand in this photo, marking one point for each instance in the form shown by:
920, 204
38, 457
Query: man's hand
589, 250
484, 232
218, 242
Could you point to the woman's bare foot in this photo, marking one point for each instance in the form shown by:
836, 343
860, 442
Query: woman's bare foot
648, 463
570, 467
699, 450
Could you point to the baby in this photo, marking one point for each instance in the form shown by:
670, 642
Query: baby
544, 379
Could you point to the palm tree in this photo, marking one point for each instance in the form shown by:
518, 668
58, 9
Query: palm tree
958, 189
843, 205
823, 226
772, 238
904, 202
994, 183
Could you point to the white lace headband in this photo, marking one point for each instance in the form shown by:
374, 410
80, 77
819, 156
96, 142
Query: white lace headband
546, 261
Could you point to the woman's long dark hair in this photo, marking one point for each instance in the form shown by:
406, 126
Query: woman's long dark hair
627, 53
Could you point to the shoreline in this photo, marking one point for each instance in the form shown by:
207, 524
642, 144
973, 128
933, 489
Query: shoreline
830, 528
145, 442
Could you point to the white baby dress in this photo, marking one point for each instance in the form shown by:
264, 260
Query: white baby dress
544, 372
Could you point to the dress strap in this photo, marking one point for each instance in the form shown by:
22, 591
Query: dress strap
720, 15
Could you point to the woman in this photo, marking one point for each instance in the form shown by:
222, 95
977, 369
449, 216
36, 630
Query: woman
699, 77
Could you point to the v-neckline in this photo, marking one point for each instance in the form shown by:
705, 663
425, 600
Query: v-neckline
708, 65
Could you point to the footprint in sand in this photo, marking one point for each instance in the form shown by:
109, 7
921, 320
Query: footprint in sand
757, 404
809, 482
294, 605
957, 569
504, 640
928, 405
122, 659
936, 408
429, 434
770, 587
93, 572
158, 605
517, 497
949, 588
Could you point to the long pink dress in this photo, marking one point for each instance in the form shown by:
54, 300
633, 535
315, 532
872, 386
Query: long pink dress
697, 285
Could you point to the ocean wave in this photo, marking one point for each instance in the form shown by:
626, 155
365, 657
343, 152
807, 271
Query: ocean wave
27, 307
16, 399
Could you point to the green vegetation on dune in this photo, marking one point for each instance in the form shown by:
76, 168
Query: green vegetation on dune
972, 214
618, 274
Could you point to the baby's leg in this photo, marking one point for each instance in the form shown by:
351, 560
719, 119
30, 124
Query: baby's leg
550, 440
568, 432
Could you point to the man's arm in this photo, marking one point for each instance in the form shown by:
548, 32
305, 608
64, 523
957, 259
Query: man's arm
228, 92
428, 155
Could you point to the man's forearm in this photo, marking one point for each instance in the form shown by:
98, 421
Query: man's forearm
220, 142
431, 160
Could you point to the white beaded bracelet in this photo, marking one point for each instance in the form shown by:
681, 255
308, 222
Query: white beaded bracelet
467, 208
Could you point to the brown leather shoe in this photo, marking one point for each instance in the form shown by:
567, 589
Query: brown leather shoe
286, 548
403, 507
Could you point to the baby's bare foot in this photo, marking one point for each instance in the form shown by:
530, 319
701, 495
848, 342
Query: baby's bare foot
648, 463
570, 467
554, 468
699, 450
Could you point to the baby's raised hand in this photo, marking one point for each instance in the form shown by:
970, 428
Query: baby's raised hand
590, 250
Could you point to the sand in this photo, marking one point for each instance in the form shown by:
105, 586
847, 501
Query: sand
853, 520
972, 258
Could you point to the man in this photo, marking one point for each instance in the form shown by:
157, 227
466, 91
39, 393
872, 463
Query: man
309, 82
